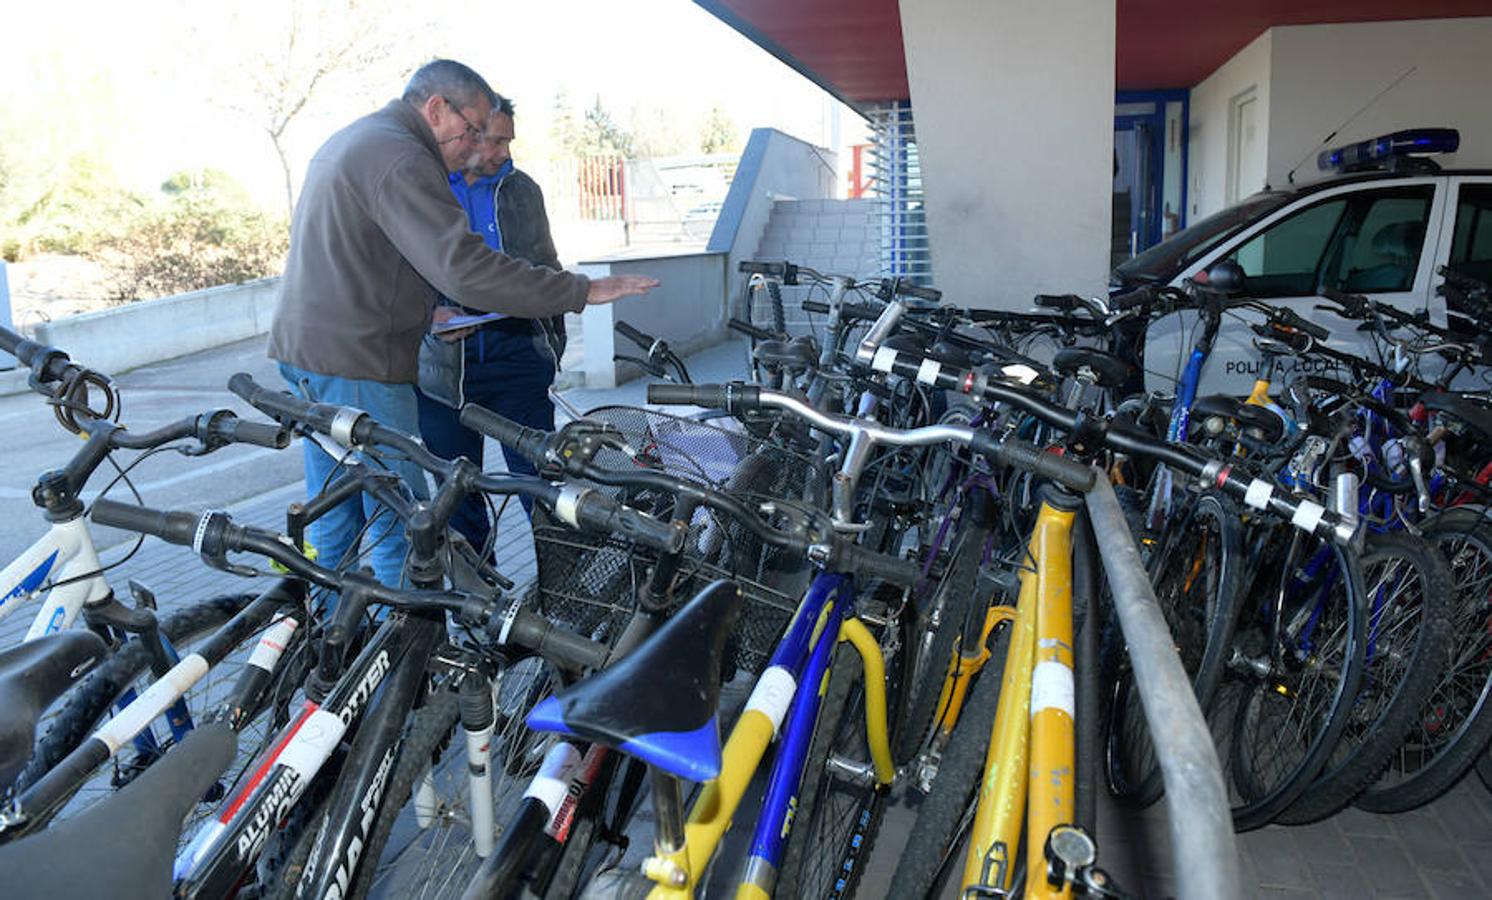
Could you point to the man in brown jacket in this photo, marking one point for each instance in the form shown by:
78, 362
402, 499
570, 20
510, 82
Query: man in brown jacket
375, 233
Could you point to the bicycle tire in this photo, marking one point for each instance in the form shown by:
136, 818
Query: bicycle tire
1202, 627
954, 790
835, 824
435, 744
1266, 703
940, 626
1455, 726
1415, 622
89, 702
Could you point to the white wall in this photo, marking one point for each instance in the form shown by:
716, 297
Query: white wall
1014, 107
1207, 133
1323, 74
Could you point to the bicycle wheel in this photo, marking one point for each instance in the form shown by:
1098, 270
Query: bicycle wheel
1409, 604
839, 805
90, 703
935, 649
422, 841
948, 810
1195, 572
1455, 724
1299, 672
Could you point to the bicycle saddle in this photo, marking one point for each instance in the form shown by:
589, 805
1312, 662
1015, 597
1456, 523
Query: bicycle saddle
1476, 413
787, 354
122, 846
1269, 425
1110, 370
33, 675
1215, 405
657, 703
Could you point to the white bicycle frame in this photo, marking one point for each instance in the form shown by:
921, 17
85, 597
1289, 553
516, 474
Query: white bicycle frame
64, 552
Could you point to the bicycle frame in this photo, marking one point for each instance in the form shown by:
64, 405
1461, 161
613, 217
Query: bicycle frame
822, 620
1030, 767
66, 551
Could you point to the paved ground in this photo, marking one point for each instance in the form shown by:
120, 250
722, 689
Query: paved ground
1444, 850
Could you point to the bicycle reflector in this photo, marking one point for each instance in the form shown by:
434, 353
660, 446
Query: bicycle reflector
1385, 151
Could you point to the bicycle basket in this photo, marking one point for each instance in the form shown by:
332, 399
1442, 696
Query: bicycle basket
589, 582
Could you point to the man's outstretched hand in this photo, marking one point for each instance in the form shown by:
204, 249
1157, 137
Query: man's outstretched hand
615, 287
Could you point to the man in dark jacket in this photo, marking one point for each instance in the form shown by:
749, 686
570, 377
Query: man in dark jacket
506, 364
374, 230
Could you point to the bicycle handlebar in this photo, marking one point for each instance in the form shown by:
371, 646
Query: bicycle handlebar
750, 330
641, 339
214, 534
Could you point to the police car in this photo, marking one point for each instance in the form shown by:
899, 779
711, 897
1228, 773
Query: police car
1381, 227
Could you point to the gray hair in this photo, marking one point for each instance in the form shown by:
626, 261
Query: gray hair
448, 78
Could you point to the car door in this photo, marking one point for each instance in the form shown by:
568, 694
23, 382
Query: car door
1466, 247
1377, 238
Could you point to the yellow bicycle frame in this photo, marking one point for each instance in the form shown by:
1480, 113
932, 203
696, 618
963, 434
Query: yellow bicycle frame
676, 874
1029, 770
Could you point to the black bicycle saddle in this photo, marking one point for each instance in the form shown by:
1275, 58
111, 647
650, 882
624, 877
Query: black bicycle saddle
657, 703
1475, 412
1109, 370
1215, 405
33, 675
123, 846
793, 354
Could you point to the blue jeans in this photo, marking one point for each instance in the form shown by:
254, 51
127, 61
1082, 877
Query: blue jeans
333, 534
510, 374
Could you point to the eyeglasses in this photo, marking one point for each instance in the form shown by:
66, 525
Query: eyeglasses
476, 133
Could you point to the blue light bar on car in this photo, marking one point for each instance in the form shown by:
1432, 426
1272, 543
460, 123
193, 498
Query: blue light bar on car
1378, 150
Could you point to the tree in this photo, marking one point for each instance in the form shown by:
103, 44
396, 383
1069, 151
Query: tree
718, 133
298, 53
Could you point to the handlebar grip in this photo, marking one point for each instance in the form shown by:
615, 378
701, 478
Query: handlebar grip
905, 288
530, 442
595, 511
172, 527
861, 561
734, 397
641, 339
1031, 458
260, 434
816, 306
1058, 301
750, 330
1138, 297
755, 267
11, 342
1295, 320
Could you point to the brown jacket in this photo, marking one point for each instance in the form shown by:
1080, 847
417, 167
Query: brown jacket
375, 229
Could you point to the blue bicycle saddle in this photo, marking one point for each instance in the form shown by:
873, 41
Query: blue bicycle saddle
658, 703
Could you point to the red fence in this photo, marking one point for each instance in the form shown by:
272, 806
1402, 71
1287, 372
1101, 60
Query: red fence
602, 187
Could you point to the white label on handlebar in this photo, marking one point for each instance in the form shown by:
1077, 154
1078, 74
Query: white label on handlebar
272, 644
1307, 516
883, 360
773, 694
152, 702
927, 373
1258, 494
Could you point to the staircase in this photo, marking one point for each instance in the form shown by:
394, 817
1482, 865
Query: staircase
834, 237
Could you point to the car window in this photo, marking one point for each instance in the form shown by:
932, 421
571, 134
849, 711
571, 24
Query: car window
1284, 259
1380, 253
1471, 247
1366, 242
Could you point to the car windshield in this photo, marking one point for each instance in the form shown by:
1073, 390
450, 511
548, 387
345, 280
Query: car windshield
1164, 260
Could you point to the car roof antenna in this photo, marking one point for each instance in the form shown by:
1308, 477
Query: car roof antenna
1335, 131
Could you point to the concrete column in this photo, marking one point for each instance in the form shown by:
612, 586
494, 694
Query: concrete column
1014, 108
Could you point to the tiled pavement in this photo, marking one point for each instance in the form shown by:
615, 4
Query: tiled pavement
1441, 851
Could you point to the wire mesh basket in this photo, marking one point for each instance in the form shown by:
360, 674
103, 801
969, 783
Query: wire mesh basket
589, 583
